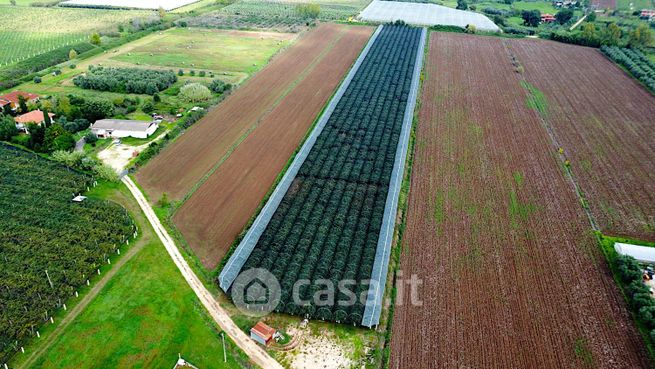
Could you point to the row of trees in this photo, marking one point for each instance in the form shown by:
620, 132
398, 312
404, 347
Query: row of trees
327, 225
126, 80
635, 62
50, 246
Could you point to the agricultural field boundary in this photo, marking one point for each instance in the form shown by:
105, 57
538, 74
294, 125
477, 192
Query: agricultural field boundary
373, 306
542, 114
310, 68
243, 251
258, 355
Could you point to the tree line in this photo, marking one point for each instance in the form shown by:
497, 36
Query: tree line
126, 80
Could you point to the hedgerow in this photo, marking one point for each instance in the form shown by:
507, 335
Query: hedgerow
635, 62
126, 80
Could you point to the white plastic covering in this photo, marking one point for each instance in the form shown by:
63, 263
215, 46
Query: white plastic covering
641, 253
424, 15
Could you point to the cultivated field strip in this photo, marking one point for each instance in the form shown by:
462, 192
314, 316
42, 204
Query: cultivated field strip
242, 253
605, 122
511, 275
220, 209
179, 167
328, 223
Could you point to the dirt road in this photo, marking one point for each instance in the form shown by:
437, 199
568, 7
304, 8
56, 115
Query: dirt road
254, 352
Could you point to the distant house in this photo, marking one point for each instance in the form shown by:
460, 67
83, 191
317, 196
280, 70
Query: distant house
547, 18
647, 14
11, 99
35, 116
262, 333
118, 128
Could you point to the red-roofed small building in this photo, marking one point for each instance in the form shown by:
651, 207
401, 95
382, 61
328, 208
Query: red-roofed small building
547, 18
11, 99
648, 14
262, 333
35, 116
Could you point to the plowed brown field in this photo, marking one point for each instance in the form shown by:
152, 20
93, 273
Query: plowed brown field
178, 168
605, 121
511, 276
214, 215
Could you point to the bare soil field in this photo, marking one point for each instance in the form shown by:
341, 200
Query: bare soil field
184, 163
218, 211
512, 277
605, 122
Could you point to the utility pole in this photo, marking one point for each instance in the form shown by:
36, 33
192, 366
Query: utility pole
49, 280
224, 353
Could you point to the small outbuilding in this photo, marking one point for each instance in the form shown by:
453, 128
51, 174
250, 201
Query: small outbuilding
262, 333
119, 128
644, 254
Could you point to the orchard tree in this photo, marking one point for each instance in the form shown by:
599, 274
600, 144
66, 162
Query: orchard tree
72, 54
95, 38
7, 128
612, 35
589, 31
531, 18
564, 16
641, 36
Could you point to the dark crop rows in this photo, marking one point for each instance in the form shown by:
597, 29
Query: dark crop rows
328, 223
635, 62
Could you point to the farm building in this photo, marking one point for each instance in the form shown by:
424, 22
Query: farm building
547, 18
11, 99
118, 128
35, 116
262, 333
380, 11
644, 254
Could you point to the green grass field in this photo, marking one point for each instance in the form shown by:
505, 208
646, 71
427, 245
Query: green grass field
220, 51
142, 318
29, 31
636, 4
542, 6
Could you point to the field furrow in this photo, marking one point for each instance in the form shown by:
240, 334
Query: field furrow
178, 168
219, 210
605, 122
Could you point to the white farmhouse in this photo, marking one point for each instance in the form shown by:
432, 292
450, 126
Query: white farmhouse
118, 128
